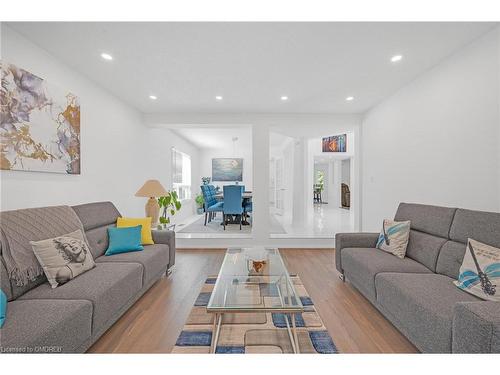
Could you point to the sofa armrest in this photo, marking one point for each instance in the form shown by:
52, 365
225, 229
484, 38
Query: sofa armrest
345, 240
166, 237
476, 327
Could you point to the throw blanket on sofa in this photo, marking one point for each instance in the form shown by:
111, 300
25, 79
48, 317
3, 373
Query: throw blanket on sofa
19, 227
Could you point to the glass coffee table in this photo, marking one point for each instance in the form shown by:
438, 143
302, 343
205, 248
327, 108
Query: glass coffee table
254, 280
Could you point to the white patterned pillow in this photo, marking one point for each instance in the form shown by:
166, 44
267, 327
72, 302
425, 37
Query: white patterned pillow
394, 237
480, 271
63, 258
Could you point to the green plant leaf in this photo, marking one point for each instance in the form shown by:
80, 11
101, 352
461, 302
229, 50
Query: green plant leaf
199, 200
170, 205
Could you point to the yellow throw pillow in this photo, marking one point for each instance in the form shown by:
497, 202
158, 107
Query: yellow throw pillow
146, 237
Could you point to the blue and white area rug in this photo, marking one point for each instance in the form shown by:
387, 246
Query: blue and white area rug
256, 333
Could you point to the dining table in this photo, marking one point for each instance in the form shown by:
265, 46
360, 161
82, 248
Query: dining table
246, 195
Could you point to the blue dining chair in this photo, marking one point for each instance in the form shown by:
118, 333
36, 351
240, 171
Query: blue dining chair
213, 191
212, 205
247, 203
247, 206
233, 202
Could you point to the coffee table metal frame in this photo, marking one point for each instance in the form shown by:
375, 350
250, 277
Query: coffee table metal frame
286, 310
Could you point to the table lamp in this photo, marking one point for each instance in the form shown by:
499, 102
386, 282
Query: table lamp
152, 189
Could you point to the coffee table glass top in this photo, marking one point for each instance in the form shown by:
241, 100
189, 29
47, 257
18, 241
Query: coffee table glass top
253, 279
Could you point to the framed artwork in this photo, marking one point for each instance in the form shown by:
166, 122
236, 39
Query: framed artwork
39, 124
227, 169
335, 143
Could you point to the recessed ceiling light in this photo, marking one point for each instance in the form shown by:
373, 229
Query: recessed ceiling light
284, 98
396, 58
349, 98
153, 97
106, 56
218, 97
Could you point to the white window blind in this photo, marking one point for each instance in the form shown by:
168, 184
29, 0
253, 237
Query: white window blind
181, 174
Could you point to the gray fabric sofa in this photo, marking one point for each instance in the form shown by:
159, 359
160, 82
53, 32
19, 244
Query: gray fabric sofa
71, 317
417, 293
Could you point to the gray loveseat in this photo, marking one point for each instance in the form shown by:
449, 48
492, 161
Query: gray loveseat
417, 293
73, 316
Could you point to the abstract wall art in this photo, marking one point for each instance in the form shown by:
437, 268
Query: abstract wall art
335, 143
39, 124
227, 169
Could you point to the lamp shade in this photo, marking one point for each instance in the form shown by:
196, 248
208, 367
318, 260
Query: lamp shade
151, 188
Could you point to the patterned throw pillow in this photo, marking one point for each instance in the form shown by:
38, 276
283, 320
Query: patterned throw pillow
63, 258
480, 271
394, 237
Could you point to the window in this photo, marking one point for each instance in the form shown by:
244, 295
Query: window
320, 179
181, 174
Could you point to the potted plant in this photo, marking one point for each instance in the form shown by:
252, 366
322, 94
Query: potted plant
170, 204
200, 202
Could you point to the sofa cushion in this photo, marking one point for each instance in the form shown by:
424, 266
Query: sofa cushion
361, 265
98, 214
421, 305
424, 248
450, 259
108, 286
98, 240
46, 326
428, 219
481, 226
154, 260
96, 218
476, 327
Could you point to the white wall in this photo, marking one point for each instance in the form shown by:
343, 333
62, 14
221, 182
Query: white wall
283, 147
346, 172
242, 149
436, 141
299, 126
118, 152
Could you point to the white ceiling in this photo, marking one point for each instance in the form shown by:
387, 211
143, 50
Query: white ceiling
317, 65
278, 141
217, 138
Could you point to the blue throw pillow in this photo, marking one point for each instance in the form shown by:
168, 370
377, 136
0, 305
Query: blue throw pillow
124, 240
3, 307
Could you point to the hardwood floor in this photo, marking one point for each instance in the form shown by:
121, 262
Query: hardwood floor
154, 322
